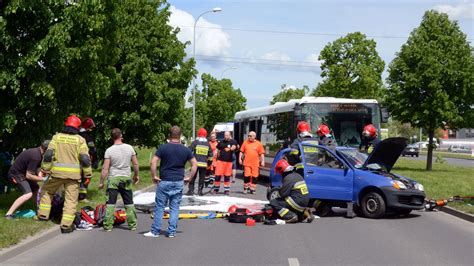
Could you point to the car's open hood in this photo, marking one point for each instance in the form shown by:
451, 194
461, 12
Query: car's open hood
386, 153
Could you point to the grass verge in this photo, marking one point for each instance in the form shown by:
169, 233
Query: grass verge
442, 182
449, 155
13, 231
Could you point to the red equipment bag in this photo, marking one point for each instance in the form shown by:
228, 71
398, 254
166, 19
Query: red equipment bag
85, 214
120, 216
99, 214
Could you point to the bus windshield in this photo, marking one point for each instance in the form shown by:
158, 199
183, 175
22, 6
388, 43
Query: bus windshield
346, 120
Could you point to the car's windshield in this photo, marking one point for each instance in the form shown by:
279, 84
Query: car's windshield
354, 157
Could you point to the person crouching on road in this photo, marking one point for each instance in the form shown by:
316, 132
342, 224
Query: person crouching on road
252, 156
173, 157
203, 153
24, 173
225, 149
66, 156
292, 204
117, 168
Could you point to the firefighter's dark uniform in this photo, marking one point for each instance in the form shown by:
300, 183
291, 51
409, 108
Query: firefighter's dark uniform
294, 157
203, 153
367, 145
294, 198
67, 154
94, 161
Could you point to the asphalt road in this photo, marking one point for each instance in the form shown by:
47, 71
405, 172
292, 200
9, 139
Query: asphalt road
421, 239
453, 161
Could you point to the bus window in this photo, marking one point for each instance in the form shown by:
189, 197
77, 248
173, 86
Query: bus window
346, 120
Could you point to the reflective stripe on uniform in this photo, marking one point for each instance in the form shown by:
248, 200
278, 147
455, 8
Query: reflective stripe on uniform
301, 185
66, 167
294, 151
283, 211
83, 190
299, 166
68, 217
201, 164
293, 204
45, 207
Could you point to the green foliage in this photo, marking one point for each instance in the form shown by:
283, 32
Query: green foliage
351, 68
121, 64
287, 94
218, 101
147, 97
432, 77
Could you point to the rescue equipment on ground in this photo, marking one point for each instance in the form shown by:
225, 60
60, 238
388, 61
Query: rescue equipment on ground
432, 204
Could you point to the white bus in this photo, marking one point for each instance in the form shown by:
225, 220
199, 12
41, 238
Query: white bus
275, 125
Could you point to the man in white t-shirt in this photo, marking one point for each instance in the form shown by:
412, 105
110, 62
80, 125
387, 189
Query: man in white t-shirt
117, 168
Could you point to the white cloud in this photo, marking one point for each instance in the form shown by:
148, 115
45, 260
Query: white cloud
276, 56
211, 40
461, 11
313, 58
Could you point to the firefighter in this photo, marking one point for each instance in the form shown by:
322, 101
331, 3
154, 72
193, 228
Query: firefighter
211, 166
292, 204
66, 156
203, 153
324, 136
304, 135
87, 126
369, 139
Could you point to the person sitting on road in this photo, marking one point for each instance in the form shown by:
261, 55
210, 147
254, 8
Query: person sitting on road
25, 175
292, 204
369, 139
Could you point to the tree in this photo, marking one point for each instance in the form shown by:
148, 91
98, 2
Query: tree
152, 76
287, 93
431, 79
54, 60
121, 64
218, 101
351, 68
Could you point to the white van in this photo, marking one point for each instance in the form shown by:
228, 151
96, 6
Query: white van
220, 128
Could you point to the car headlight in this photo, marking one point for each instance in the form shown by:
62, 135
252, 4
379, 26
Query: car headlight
398, 184
419, 187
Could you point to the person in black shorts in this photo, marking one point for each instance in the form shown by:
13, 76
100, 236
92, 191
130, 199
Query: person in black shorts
25, 175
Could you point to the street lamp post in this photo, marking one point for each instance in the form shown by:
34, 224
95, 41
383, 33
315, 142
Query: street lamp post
229, 68
214, 10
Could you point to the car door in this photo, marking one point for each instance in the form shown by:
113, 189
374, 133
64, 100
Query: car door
327, 177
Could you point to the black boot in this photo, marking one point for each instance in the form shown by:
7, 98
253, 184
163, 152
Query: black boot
67, 230
200, 193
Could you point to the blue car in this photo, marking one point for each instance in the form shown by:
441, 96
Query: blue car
345, 175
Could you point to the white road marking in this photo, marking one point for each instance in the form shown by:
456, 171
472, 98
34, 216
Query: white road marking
293, 262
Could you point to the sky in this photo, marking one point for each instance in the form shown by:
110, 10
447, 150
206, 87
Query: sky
261, 45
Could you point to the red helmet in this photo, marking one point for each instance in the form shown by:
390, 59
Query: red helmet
73, 121
202, 133
323, 130
369, 131
303, 127
88, 123
232, 208
282, 166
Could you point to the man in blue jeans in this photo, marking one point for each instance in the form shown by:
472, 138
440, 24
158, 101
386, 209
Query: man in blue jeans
173, 157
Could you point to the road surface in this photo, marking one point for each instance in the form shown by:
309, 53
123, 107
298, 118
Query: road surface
433, 238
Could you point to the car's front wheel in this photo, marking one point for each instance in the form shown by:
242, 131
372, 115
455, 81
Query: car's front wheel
273, 193
373, 205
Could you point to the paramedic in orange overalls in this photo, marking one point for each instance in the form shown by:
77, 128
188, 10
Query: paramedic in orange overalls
252, 156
